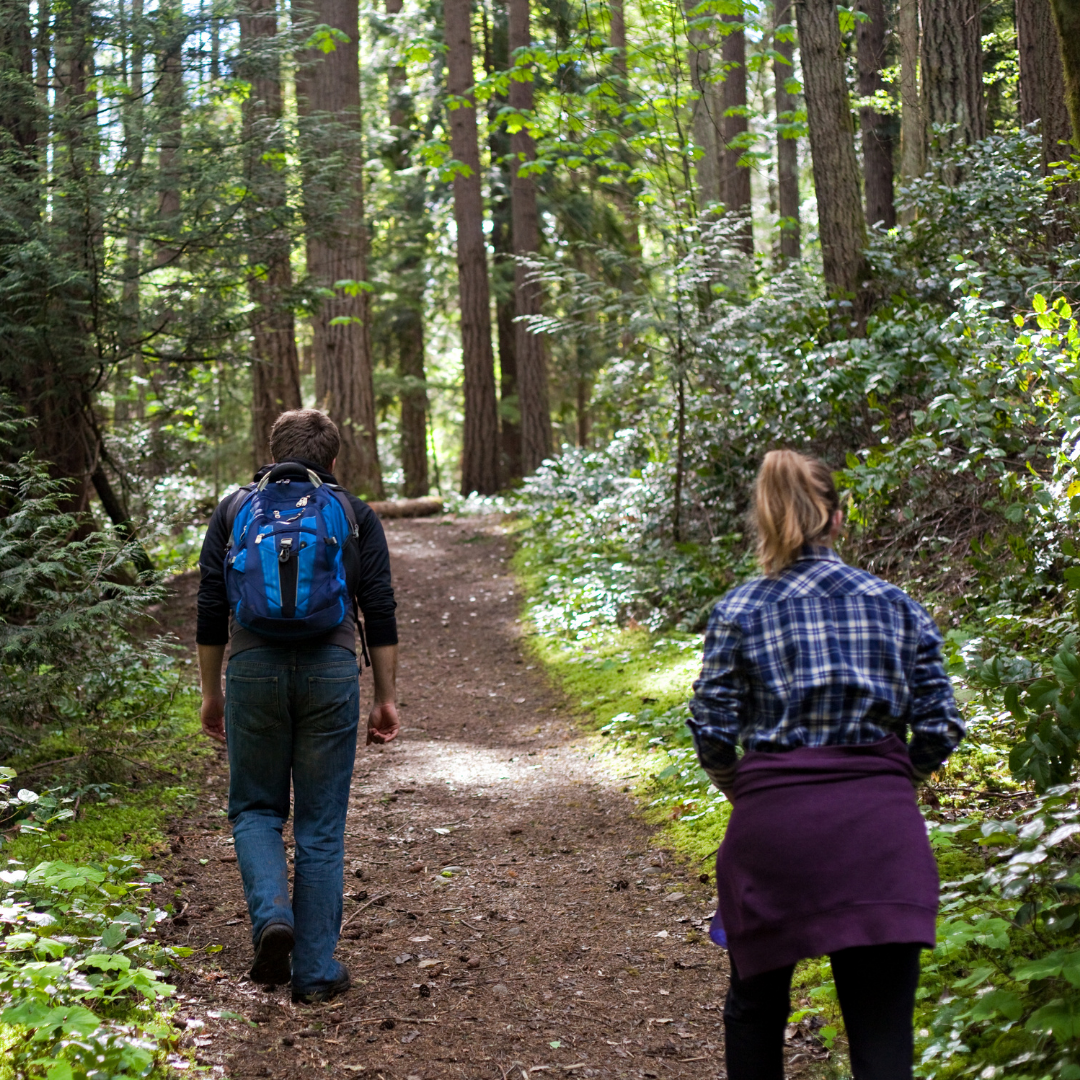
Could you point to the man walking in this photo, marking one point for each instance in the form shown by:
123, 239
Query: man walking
286, 564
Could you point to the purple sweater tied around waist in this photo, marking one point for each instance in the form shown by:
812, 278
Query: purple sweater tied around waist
825, 850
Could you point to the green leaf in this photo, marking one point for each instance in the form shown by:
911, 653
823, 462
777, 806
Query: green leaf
113, 935
1060, 1018
996, 1003
1066, 667
325, 38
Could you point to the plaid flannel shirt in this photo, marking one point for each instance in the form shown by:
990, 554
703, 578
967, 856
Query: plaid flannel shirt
822, 655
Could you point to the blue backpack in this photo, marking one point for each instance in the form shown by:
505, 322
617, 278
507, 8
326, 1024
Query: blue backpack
285, 567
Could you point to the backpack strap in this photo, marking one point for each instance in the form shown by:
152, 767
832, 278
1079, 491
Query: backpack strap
233, 509
342, 497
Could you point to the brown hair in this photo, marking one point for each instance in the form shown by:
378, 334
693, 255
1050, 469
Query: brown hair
794, 501
305, 433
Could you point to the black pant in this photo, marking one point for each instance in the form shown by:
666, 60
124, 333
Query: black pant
876, 987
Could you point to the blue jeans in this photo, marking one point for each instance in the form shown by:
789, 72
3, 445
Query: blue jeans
292, 713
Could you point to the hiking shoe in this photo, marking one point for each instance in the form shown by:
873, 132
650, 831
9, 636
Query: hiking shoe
325, 993
271, 965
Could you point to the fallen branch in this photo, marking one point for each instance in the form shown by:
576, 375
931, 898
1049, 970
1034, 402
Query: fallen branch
373, 900
407, 508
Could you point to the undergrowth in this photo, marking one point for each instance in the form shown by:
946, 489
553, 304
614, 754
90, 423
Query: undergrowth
960, 481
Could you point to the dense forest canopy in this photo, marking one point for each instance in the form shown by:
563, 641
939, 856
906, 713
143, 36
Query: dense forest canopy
215, 211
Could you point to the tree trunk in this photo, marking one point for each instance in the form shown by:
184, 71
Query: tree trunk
328, 100
621, 195
129, 399
275, 370
18, 102
1067, 19
55, 391
480, 453
877, 143
408, 329
497, 58
705, 120
787, 147
832, 145
1042, 80
951, 70
531, 358
912, 122
735, 178
169, 99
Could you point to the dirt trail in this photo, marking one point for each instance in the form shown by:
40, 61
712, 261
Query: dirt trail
506, 915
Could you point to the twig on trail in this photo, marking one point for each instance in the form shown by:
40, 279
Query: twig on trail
373, 900
396, 1019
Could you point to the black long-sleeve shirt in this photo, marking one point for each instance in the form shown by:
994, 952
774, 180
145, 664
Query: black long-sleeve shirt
374, 593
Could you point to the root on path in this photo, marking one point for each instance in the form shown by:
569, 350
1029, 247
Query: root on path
507, 917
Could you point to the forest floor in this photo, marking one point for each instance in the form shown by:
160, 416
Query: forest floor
508, 916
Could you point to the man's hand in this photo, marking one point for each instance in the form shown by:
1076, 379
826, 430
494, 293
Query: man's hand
382, 724
212, 715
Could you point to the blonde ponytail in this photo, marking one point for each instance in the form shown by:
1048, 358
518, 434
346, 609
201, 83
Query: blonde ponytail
794, 501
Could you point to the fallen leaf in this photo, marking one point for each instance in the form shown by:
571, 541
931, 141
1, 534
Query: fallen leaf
672, 897
409, 1036
421, 937
404, 958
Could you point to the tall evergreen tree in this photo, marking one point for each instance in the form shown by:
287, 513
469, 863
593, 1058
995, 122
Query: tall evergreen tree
497, 58
877, 143
328, 99
706, 122
1042, 80
407, 251
275, 371
735, 178
951, 72
480, 449
172, 29
529, 346
912, 122
787, 147
1067, 20
836, 171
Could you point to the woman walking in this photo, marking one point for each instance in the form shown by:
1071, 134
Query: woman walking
819, 671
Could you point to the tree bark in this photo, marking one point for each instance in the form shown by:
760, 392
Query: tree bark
497, 58
18, 102
735, 178
951, 68
480, 452
56, 390
408, 318
275, 370
529, 346
877, 143
787, 148
129, 401
169, 99
328, 100
706, 122
1042, 80
912, 122
832, 145
1067, 20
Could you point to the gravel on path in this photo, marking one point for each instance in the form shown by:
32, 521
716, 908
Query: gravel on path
507, 915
